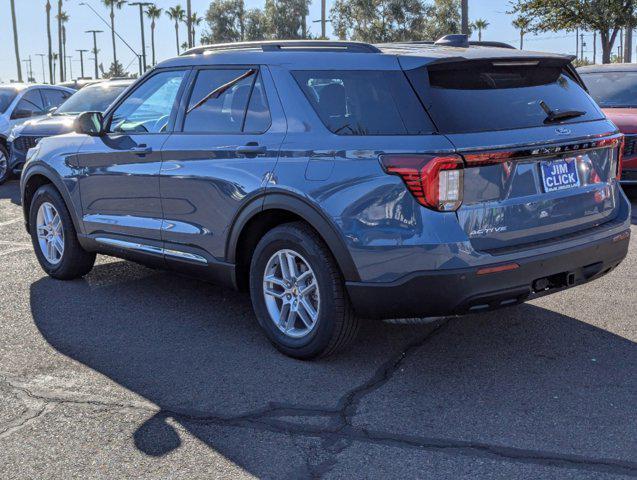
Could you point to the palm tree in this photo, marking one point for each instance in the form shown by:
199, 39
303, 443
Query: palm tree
63, 18
54, 59
15, 40
113, 4
60, 50
176, 14
522, 24
195, 21
481, 24
153, 12
48, 36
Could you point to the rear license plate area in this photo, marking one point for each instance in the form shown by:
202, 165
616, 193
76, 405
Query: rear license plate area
559, 174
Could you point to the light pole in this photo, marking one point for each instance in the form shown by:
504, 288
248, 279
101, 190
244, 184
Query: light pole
26, 67
189, 22
323, 20
141, 6
114, 31
70, 59
42, 55
82, 61
95, 32
465, 17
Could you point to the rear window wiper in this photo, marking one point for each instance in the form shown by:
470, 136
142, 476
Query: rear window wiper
217, 92
557, 115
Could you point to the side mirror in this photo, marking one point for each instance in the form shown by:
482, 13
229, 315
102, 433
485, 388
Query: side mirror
20, 113
90, 123
52, 110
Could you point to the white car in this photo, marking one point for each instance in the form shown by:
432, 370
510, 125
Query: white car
21, 102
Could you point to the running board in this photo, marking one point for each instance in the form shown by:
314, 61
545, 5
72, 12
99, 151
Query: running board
151, 249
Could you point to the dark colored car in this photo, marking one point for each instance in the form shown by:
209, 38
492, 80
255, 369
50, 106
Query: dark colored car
337, 181
94, 97
614, 88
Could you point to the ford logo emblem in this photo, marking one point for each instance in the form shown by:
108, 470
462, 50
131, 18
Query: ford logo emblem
562, 131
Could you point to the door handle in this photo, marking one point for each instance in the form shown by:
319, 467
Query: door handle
141, 149
251, 148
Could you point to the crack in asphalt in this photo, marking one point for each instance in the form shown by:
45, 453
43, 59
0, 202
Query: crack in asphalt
33, 410
336, 436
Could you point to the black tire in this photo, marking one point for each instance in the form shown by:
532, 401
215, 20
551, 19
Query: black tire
75, 262
336, 325
5, 171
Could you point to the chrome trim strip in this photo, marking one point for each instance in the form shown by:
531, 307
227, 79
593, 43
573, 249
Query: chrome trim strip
141, 247
185, 255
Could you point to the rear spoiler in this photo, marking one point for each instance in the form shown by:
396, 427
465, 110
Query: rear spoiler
566, 61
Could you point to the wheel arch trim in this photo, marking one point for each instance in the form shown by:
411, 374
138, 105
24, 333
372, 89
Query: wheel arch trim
301, 207
47, 173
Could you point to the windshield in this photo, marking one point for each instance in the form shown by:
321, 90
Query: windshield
6, 97
612, 89
94, 98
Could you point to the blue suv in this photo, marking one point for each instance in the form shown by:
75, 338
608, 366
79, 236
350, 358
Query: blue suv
337, 181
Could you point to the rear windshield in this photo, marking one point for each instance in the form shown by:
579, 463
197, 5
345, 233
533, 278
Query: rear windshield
499, 95
612, 89
364, 102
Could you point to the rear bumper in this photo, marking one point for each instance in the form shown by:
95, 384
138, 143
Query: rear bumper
459, 291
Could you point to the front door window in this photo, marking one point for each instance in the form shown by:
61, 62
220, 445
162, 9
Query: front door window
149, 107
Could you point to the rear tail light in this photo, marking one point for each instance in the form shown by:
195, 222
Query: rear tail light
620, 157
436, 182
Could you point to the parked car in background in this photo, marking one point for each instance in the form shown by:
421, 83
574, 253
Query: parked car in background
338, 181
94, 97
20, 103
614, 88
80, 83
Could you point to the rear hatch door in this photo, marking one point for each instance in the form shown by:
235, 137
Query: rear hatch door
540, 157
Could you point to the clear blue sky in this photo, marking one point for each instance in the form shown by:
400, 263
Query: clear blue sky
32, 31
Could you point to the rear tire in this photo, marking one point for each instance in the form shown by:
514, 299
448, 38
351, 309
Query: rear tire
54, 237
311, 316
5, 172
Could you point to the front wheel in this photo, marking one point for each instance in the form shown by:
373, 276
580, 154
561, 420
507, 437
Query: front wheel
298, 293
54, 237
5, 172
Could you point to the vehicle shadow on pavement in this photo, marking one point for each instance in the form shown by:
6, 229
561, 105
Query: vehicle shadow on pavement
11, 191
529, 381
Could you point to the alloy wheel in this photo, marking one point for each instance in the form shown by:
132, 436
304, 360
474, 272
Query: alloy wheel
50, 233
4, 164
291, 293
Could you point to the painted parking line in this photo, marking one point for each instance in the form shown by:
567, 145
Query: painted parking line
10, 222
14, 250
10, 242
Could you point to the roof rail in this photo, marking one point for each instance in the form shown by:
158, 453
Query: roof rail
491, 44
281, 45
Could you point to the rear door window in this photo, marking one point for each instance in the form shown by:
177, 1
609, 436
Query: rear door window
464, 97
364, 102
29, 105
227, 101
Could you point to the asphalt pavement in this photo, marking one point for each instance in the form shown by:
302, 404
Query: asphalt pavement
138, 373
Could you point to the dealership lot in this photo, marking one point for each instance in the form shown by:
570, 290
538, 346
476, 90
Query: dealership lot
137, 372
